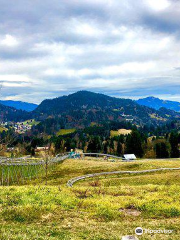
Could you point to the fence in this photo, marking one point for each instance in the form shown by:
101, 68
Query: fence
20, 170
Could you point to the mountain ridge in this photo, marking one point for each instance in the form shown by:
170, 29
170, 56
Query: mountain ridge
11, 114
19, 105
85, 107
82, 108
157, 103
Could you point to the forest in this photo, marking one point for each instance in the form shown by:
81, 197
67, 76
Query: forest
144, 142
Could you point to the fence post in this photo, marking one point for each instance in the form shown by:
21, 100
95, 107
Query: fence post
2, 174
8, 175
46, 168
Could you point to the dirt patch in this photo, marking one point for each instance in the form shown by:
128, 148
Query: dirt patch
130, 212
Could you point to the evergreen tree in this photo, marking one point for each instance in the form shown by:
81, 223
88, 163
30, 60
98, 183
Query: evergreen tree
134, 144
111, 145
161, 150
174, 145
119, 148
95, 144
105, 147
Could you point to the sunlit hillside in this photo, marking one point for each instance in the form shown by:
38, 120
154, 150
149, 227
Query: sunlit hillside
99, 208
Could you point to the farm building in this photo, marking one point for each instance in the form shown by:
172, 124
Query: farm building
40, 149
128, 157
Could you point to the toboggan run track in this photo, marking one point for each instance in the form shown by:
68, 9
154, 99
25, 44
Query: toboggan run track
76, 179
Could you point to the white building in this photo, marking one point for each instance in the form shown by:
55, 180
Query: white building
128, 157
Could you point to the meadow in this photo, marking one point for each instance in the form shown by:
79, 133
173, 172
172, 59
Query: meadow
19, 174
63, 132
3, 129
104, 208
31, 122
119, 132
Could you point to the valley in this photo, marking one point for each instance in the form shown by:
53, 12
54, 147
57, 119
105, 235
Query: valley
62, 175
90, 120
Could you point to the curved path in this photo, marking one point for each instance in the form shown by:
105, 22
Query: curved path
120, 158
101, 155
76, 179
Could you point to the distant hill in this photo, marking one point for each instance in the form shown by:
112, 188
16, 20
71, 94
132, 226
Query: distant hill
19, 105
157, 103
82, 108
12, 114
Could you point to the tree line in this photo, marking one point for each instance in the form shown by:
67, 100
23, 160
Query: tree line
143, 142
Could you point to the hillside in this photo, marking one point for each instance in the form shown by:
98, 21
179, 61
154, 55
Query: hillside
19, 105
82, 108
157, 103
12, 114
100, 208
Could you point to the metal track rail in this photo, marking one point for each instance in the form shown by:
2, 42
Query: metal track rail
76, 179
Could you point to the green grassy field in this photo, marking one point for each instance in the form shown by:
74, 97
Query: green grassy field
31, 122
19, 174
62, 132
120, 132
96, 209
3, 129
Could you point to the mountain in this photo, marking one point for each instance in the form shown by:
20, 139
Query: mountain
19, 105
157, 103
12, 114
83, 108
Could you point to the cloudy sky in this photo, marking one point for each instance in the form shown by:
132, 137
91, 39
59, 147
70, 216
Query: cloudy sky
122, 48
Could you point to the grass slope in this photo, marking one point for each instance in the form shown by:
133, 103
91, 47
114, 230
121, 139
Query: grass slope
31, 122
120, 132
97, 209
62, 132
3, 129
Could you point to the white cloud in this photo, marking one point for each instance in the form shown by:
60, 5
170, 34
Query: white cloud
158, 5
104, 45
86, 29
9, 41
14, 78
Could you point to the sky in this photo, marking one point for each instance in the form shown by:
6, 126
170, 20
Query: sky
122, 48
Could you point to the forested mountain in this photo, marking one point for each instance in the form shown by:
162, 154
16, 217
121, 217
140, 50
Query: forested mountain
84, 108
157, 103
86, 120
19, 105
12, 114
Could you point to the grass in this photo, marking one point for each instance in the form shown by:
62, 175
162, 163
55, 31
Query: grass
154, 116
62, 132
114, 133
31, 122
95, 209
19, 173
3, 129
